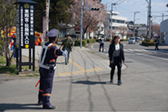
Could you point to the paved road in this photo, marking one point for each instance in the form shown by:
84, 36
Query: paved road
133, 48
144, 88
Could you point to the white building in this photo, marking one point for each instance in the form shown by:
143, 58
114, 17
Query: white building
142, 31
164, 32
114, 22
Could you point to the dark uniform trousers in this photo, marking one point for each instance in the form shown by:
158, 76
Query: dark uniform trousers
119, 65
46, 83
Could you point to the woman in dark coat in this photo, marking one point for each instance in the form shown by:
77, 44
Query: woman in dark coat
116, 56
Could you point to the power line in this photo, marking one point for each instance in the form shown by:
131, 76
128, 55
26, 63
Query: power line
159, 11
158, 16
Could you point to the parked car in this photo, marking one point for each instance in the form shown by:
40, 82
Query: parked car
138, 39
131, 40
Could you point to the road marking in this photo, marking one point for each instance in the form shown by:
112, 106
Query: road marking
152, 56
82, 70
125, 50
92, 46
76, 65
130, 49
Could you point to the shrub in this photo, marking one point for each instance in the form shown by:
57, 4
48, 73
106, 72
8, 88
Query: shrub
108, 39
91, 41
77, 43
124, 39
146, 43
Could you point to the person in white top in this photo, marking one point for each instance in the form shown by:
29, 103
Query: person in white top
116, 56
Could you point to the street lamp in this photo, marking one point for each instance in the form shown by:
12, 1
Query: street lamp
134, 22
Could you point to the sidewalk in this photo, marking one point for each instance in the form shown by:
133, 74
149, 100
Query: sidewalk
82, 63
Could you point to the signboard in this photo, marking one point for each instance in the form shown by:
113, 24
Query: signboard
25, 25
25, 33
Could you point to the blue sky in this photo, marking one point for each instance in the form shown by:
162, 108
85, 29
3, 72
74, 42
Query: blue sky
128, 7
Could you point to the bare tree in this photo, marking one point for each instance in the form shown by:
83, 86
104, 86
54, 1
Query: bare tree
90, 18
7, 20
155, 28
113, 33
122, 30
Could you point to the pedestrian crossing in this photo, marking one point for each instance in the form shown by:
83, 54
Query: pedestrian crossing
137, 50
142, 50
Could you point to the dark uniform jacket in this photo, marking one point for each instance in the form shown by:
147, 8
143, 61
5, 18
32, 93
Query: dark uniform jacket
52, 54
121, 56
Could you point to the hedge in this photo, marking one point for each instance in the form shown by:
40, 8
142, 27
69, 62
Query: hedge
108, 39
145, 43
91, 41
77, 43
124, 39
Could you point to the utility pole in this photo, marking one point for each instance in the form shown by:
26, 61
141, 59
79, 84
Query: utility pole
134, 23
81, 24
149, 20
162, 16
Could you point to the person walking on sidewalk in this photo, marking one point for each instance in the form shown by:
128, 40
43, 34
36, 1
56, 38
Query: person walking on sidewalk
156, 43
67, 45
47, 64
101, 40
116, 56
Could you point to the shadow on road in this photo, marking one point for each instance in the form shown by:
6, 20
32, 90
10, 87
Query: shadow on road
99, 82
14, 106
87, 82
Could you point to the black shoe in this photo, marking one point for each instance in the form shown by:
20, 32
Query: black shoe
66, 63
119, 83
48, 107
111, 81
40, 102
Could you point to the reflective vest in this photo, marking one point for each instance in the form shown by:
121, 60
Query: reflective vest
43, 57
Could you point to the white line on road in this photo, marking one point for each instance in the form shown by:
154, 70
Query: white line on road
92, 46
125, 50
152, 56
129, 49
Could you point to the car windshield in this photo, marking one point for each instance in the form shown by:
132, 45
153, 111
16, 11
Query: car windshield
132, 39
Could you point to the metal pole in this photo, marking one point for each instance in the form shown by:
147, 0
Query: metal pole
162, 17
134, 25
147, 22
81, 32
149, 19
111, 27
